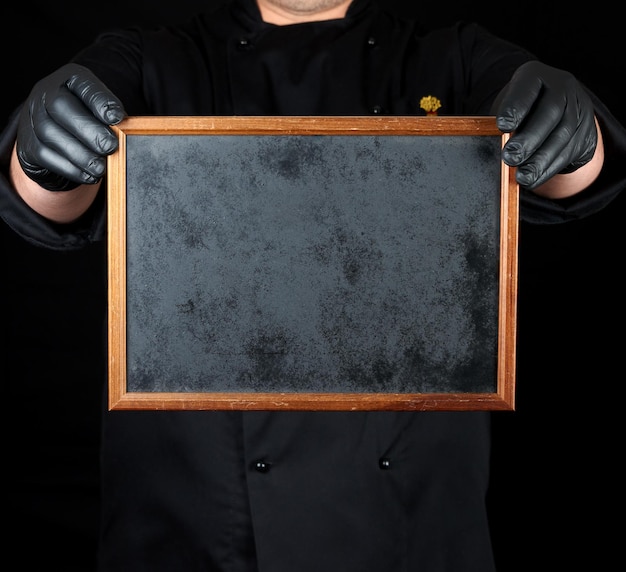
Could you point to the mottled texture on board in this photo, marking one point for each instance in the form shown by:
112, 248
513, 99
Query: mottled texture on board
312, 263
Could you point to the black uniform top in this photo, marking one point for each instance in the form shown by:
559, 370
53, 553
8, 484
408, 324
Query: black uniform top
299, 491
231, 62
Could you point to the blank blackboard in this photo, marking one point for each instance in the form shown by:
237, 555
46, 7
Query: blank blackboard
313, 263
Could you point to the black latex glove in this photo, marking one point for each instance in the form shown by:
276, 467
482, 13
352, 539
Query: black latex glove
63, 136
553, 120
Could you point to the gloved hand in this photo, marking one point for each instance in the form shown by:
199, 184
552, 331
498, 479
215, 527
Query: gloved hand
553, 120
63, 136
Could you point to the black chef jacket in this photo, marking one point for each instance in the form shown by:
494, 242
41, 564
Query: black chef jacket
299, 491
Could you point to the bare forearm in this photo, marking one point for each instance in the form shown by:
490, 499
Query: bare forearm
60, 206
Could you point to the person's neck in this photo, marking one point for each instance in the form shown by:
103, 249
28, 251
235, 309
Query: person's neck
282, 15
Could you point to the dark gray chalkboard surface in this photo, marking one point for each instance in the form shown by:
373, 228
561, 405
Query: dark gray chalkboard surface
337, 263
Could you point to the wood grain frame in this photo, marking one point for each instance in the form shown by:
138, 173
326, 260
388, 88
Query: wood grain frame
123, 396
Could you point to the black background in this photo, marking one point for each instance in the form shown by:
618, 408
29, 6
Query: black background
556, 460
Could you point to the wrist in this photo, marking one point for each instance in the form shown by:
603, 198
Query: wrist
58, 206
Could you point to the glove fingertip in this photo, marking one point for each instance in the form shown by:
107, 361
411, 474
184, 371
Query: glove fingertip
506, 122
114, 114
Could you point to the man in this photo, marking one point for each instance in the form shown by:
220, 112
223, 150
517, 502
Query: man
258, 491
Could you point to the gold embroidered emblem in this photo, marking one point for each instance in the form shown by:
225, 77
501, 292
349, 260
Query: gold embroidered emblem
430, 104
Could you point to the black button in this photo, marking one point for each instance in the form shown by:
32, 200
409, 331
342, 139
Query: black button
384, 463
244, 43
377, 110
261, 466
371, 42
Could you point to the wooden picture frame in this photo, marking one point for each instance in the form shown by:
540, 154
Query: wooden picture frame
311, 263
